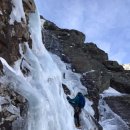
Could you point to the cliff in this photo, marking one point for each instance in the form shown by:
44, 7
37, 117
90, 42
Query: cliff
98, 72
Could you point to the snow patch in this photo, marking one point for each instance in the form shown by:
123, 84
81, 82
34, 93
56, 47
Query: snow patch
91, 71
17, 13
42, 23
126, 66
1, 12
111, 92
109, 120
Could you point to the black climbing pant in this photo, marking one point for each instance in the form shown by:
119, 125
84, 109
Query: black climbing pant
77, 112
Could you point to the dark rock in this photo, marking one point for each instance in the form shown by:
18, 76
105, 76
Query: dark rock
95, 52
113, 66
7, 125
121, 82
97, 124
65, 58
51, 43
14, 99
66, 90
121, 106
50, 26
95, 82
29, 6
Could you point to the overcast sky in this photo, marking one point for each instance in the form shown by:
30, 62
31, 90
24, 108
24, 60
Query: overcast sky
104, 22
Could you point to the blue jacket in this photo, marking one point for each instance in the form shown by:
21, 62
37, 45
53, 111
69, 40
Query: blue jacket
78, 101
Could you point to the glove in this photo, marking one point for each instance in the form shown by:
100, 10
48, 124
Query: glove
68, 98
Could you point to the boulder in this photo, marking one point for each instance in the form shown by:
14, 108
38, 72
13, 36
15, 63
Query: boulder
113, 66
95, 52
95, 82
121, 81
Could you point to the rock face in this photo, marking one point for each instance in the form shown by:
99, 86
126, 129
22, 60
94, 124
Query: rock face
13, 109
113, 66
98, 73
11, 35
121, 81
96, 82
68, 44
121, 106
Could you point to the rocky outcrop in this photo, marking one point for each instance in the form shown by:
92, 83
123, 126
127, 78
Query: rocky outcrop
84, 57
13, 107
121, 106
121, 81
95, 82
69, 45
113, 66
95, 52
48, 25
98, 73
11, 35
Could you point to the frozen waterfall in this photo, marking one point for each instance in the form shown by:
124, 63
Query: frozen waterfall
42, 87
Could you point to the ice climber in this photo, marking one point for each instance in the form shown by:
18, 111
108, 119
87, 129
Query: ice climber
78, 103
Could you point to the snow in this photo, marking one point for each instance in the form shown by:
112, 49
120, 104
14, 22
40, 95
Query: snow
42, 23
91, 71
2, 100
17, 12
10, 108
126, 66
72, 81
1, 12
111, 92
109, 120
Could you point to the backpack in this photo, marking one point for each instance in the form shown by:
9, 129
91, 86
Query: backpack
81, 103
